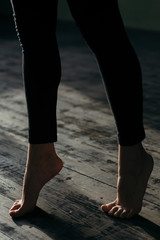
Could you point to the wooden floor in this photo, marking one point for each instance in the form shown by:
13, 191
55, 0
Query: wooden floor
68, 206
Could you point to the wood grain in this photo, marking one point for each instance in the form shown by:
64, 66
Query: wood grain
69, 205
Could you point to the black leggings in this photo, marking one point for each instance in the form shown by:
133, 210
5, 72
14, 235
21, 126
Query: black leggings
101, 25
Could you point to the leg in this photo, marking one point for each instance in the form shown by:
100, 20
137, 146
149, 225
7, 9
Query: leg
102, 27
42, 71
36, 29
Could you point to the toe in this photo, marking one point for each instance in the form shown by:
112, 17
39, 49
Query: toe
113, 211
15, 206
108, 207
127, 213
118, 212
124, 213
131, 214
13, 212
16, 202
17, 212
20, 211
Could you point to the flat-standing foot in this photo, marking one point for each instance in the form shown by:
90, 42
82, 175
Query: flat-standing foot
42, 165
134, 169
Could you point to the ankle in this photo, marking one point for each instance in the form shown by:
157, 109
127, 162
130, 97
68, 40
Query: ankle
131, 148
41, 153
41, 148
131, 159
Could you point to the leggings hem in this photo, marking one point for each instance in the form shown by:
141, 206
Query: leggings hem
132, 140
42, 141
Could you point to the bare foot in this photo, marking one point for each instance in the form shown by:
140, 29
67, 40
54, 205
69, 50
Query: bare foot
134, 169
42, 165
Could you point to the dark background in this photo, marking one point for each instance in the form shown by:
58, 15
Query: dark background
138, 13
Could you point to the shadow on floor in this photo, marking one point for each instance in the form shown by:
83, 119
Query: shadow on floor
59, 229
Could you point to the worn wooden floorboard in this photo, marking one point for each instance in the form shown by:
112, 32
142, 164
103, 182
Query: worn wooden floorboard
68, 206
67, 199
